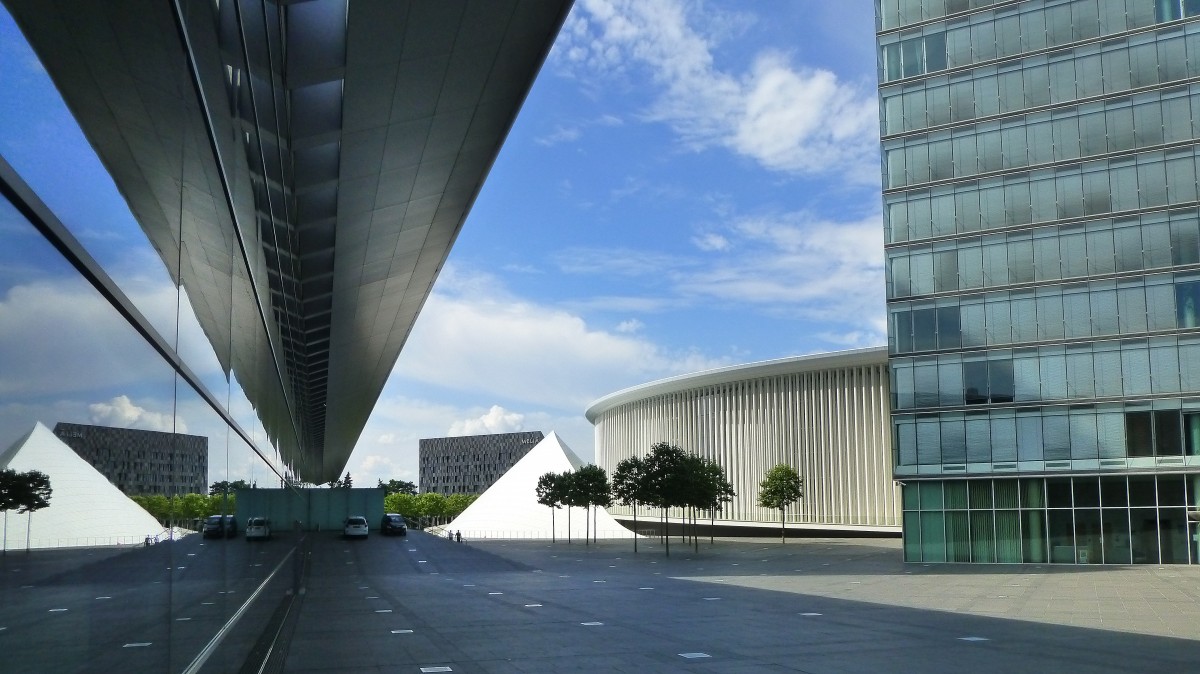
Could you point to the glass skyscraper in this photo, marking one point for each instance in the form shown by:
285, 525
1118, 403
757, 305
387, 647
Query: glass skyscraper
1043, 260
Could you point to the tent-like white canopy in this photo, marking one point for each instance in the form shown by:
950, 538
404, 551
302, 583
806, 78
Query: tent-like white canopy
509, 508
85, 508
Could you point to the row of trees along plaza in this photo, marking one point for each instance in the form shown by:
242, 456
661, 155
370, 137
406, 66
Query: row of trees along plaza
667, 477
399, 497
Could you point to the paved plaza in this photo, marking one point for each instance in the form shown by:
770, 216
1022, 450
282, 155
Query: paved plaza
1155, 600
425, 604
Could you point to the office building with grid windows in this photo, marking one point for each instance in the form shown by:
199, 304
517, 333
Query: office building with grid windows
1043, 260
472, 463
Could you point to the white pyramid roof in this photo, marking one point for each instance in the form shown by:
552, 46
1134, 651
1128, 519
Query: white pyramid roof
509, 508
85, 508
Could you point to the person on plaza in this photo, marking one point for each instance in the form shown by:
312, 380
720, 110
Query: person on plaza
458, 536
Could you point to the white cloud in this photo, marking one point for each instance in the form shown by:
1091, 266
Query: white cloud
630, 326
710, 242
61, 337
787, 117
560, 134
473, 337
800, 265
618, 261
495, 420
121, 412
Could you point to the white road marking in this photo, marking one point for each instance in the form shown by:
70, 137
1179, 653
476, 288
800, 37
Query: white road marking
712, 599
179, 620
694, 655
810, 614
426, 670
56, 610
533, 606
592, 623
495, 593
138, 644
645, 588
383, 610
402, 631
973, 639
103, 597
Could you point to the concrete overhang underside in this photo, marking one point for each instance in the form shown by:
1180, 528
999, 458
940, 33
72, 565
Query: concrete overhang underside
303, 168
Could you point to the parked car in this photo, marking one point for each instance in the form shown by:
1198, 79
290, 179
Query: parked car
258, 528
393, 524
220, 526
356, 527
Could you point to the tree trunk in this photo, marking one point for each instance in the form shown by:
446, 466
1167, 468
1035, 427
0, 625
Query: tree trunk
587, 539
667, 531
553, 526
782, 528
635, 525
568, 525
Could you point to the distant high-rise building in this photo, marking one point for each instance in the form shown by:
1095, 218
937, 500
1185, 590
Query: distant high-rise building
141, 462
1043, 261
472, 463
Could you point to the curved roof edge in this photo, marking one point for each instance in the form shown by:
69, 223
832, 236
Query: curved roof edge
875, 355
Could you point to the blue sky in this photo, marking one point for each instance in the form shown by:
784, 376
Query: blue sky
689, 185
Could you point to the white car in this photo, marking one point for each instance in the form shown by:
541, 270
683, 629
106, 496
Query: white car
258, 528
356, 527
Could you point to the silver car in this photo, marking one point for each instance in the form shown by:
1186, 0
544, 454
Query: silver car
356, 527
258, 528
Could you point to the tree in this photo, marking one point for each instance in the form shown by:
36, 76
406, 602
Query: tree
24, 492
345, 483
405, 504
781, 487
572, 497
667, 484
592, 487
193, 506
431, 505
631, 487
397, 487
227, 487
457, 503
549, 491
720, 491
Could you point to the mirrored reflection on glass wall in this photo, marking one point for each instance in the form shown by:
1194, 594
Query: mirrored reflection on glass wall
129, 551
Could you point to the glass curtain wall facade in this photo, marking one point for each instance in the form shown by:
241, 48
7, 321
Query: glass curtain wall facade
1043, 276
125, 351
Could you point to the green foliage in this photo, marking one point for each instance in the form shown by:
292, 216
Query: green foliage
345, 483
192, 506
397, 487
227, 487
25, 492
591, 487
781, 487
457, 503
431, 504
551, 490
666, 476
630, 486
398, 502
